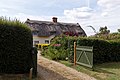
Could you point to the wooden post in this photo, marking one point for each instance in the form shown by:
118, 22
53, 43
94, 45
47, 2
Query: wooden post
30, 74
74, 53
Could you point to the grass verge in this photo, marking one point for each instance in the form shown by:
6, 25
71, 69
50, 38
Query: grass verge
106, 71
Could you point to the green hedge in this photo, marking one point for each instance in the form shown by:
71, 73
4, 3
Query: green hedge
104, 51
15, 47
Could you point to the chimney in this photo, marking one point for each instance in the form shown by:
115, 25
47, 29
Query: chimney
54, 19
28, 19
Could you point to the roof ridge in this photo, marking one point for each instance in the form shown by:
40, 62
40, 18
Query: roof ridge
52, 22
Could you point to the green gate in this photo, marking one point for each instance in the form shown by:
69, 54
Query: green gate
84, 56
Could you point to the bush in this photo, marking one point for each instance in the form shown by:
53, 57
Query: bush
58, 49
104, 50
110, 36
15, 47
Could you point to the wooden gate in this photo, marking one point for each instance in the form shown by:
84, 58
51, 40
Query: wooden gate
84, 56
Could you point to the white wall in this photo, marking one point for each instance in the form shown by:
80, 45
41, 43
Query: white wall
41, 39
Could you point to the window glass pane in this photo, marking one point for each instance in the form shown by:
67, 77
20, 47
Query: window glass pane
47, 41
36, 42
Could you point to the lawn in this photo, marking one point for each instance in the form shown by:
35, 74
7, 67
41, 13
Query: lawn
106, 71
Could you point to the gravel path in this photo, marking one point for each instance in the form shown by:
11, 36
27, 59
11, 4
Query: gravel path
51, 70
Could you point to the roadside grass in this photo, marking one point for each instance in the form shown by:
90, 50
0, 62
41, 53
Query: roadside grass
105, 71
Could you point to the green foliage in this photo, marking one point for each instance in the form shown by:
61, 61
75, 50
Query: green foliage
111, 36
100, 48
103, 30
105, 71
118, 30
57, 52
15, 47
103, 33
104, 50
114, 36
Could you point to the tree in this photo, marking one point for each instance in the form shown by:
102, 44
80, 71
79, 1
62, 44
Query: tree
104, 30
103, 33
119, 30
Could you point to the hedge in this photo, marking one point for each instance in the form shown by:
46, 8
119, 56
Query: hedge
104, 50
15, 47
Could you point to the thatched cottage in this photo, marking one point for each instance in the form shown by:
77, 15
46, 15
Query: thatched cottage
44, 31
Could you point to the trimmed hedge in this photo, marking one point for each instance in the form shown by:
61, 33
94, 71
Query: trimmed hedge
15, 47
104, 50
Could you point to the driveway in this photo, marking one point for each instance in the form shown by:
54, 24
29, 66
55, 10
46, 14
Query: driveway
51, 70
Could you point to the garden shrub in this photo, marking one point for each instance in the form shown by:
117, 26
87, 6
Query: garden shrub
15, 47
58, 49
104, 50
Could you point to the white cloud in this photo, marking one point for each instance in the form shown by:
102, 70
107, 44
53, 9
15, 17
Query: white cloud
23, 17
83, 12
108, 3
4, 10
107, 14
109, 6
104, 14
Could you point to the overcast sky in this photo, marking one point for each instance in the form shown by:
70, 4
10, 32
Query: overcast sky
97, 13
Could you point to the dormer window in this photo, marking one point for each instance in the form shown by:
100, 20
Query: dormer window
35, 33
52, 32
80, 33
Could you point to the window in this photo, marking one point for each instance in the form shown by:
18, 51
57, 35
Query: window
47, 41
80, 33
35, 33
36, 42
52, 32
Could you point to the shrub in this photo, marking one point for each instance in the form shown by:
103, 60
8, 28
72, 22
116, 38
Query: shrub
58, 49
111, 36
104, 50
15, 47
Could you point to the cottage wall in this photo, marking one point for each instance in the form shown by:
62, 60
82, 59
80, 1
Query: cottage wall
42, 40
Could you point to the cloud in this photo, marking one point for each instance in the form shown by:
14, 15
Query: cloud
108, 3
104, 14
82, 13
4, 10
23, 17
109, 6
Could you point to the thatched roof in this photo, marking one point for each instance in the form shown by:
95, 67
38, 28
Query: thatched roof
46, 28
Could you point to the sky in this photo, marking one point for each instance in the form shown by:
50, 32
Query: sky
96, 13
